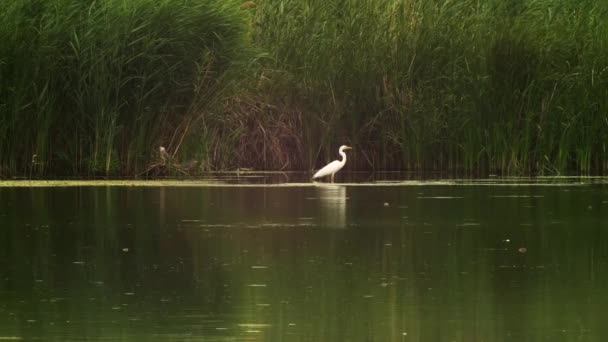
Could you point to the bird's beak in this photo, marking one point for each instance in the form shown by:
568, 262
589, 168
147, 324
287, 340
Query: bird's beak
348, 148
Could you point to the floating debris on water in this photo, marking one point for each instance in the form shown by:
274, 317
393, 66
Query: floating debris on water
517, 196
440, 197
216, 225
468, 224
221, 182
522, 250
255, 325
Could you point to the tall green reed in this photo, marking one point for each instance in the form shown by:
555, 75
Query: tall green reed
481, 86
477, 86
96, 87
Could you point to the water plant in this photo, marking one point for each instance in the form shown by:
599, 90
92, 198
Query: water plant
480, 86
475, 86
95, 87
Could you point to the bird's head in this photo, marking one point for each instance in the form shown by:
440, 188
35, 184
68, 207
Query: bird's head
344, 147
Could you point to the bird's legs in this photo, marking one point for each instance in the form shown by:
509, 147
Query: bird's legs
332, 177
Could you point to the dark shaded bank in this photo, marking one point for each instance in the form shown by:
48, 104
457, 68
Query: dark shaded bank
471, 86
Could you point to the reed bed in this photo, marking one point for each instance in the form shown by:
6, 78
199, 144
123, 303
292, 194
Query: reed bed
474, 86
95, 87
478, 86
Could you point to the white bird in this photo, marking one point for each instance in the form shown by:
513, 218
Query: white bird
164, 155
333, 167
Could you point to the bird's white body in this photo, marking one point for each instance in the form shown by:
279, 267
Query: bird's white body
334, 166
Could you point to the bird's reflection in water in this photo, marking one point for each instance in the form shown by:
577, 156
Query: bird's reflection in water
332, 208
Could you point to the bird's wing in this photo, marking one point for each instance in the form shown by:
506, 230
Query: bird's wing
328, 169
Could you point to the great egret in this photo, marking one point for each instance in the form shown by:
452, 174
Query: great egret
333, 167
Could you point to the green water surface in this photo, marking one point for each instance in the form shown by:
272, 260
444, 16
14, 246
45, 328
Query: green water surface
305, 262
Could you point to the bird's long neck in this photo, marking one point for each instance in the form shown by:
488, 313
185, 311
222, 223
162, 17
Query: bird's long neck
343, 161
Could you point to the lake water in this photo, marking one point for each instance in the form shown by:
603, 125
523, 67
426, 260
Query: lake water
497, 260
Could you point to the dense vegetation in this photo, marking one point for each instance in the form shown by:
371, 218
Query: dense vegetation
481, 86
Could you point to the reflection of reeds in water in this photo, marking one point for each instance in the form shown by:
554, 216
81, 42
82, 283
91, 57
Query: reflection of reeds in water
332, 208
